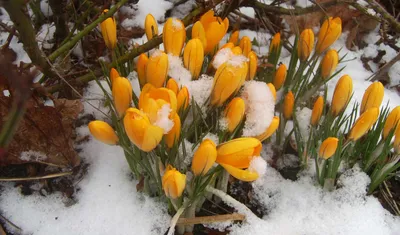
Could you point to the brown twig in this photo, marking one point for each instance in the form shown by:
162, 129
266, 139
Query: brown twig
385, 15
50, 176
384, 69
211, 219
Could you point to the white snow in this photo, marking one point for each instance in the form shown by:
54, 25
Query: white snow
248, 11
163, 120
177, 71
259, 165
260, 106
32, 156
45, 8
394, 74
221, 57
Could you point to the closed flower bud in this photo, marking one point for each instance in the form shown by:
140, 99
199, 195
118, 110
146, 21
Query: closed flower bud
253, 63
306, 44
317, 111
183, 99
122, 94
204, 157
237, 51
373, 96
234, 37
275, 42
193, 57
227, 81
329, 63
342, 94
157, 69
109, 31
330, 31
113, 74
272, 89
141, 68
234, 113
173, 182
173, 135
270, 130
364, 123
174, 36
392, 121
288, 105
103, 132
243, 175
238, 152
140, 131
198, 32
172, 85
245, 45
150, 26
215, 29
280, 76
328, 147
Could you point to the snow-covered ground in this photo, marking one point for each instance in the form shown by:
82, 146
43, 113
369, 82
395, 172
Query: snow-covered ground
108, 203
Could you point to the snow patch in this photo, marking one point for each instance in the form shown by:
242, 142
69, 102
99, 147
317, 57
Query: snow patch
163, 120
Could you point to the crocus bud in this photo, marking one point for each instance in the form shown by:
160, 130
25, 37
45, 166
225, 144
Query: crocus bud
237, 51
364, 123
174, 36
288, 105
243, 175
113, 74
227, 80
280, 76
317, 111
122, 94
140, 131
328, 147
193, 57
275, 43
141, 68
172, 85
157, 69
198, 32
173, 135
234, 113
270, 130
183, 99
330, 31
373, 96
306, 44
204, 157
234, 37
215, 29
103, 132
342, 94
109, 31
150, 26
272, 89
391, 122
329, 63
173, 182
245, 45
253, 63
238, 152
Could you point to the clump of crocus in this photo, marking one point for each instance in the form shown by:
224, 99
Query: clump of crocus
193, 57
245, 45
330, 31
215, 29
253, 63
140, 130
317, 111
342, 94
288, 105
234, 113
373, 96
329, 63
270, 130
174, 36
198, 32
328, 147
174, 134
103, 132
364, 123
150, 26
305, 44
204, 157
141, 68
157, 69
173, 182
122, 94
392, 121
280, 76
183, 99
109, 31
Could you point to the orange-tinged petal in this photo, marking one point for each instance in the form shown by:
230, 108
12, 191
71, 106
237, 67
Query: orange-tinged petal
280, 76
172, 85
122, 94
174, 36
270, 130
253, 63
204, 157
329, 63
275, 42
113, 74
198, 32
288, 105
157, 69
330, 31
103, 132
234, 113
373, 96
317, 111
173, 183
328, 147
391, 122
364, 123
150, 26
215, 32
141, 68
109, 31
341, 95
306, 44
193, 57
238, 152
245, 45
174, 134
234, 37
272, 89
243, 175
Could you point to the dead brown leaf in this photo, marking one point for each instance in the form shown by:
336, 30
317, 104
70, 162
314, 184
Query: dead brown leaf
2, 232
45, 134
